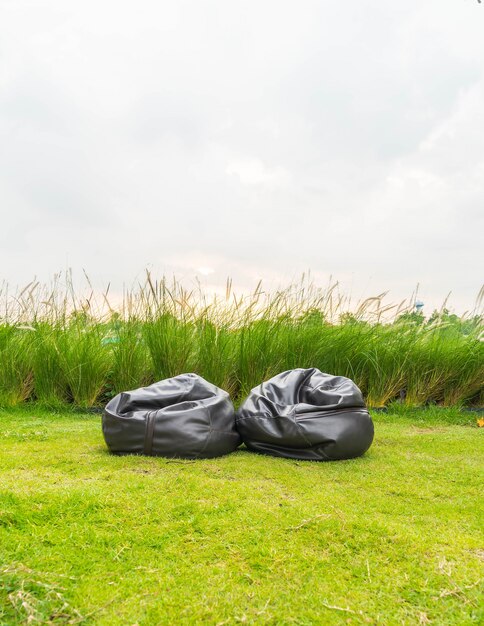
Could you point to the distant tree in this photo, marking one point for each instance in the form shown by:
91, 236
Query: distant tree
453, 323
349, 318
313, 316
414, 317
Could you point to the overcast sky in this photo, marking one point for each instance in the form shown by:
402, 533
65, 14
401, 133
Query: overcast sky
256, 139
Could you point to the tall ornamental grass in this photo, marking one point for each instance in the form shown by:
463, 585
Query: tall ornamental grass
16, 364
50, 381
59, 346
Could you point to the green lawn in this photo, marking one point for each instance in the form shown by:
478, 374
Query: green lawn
394, 537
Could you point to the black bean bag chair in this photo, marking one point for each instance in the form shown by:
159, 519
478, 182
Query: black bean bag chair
305, 414
184, 416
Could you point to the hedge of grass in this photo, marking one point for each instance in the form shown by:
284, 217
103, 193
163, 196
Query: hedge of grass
54, 351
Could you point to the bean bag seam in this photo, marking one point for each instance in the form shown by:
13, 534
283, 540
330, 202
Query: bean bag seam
310, 387
298, 426
258, 417
209, 432
225, 432
273, 417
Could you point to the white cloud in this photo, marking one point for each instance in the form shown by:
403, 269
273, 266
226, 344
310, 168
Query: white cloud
257, 139
205, 271
254, 172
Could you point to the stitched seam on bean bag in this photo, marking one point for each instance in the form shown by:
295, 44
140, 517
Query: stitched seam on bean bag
209, 432
293, 415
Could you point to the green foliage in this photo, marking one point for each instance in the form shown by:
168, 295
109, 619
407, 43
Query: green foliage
170, 343
259, 353
69, 353
16, 367
50, 382
215, 355
84, 361
131, 365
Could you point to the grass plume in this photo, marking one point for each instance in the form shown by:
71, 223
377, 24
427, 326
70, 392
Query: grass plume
61, 344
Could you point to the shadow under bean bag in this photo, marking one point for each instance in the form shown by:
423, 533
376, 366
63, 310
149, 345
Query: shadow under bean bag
184, 416
306, 414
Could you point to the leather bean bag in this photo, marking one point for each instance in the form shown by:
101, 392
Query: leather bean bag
305, 414
184, 416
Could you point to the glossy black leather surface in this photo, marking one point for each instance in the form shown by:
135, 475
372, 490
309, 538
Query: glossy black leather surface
184, 416
306, 414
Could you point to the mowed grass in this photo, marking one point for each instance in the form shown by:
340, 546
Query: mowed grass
394, 537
